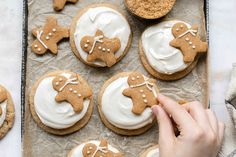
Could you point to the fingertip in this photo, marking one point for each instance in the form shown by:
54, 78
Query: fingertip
155, 109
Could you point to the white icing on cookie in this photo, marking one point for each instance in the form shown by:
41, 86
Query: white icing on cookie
51, 113
117, 108
161, 56
3, 106
77, 152
109, 21
153, 153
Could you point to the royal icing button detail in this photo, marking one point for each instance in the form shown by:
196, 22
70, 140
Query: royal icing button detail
159, 54
45, 39
193, 46
97, 48
60, 4
61, 100
95, 149
98, 42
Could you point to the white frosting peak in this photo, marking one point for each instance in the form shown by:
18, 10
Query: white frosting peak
51, 113
160, 55
117, 108
77, 152
3, 106
109, 21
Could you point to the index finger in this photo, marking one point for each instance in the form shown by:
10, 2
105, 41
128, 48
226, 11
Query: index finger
181, 117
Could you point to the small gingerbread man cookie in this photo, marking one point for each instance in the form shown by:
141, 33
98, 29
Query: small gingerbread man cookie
59, 4
91, 150
48, 37
101, 48
142, 90
71, 90
187, 41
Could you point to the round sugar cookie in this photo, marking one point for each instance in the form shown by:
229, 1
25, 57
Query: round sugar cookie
7, 112
95, 148
100, 35
61, 102
159, 58
124, 103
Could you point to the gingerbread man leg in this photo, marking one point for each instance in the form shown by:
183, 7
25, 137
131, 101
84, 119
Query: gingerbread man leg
111, 60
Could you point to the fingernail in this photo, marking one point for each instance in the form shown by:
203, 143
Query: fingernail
155, 109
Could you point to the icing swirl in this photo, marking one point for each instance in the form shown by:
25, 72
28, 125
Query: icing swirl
51, 113
109, 21
160, 55
117, 108
77, 152
3, 106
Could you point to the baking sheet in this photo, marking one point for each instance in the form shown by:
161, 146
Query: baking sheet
36, 142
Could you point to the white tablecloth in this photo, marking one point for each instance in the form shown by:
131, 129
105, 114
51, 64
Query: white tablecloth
222, 50
10, 68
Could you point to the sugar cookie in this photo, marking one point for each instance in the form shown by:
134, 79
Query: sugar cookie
158, 56
119, 108
61, 102
100, 35
7, 112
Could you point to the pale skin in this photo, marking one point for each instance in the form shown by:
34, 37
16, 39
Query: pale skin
201, 133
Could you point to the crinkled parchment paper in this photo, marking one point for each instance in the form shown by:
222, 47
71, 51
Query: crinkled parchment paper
38, 143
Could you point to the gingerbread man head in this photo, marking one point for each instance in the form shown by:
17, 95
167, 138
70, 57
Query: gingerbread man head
179, 28
135, 78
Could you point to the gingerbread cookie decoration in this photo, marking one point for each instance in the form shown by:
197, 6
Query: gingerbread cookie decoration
60, 4
101, 48
3, 97
48, 37
71, 90
142, 91
187, 41
91, 150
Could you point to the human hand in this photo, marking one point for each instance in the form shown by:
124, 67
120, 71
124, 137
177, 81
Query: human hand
200, 135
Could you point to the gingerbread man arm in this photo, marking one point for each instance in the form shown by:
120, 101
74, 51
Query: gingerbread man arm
175, 43
127, 92
195, 27
65, 32
60, 97
53, 48
203, 47
34, 31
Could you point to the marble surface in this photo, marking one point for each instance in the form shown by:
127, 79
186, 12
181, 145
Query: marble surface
222, 49
10, 68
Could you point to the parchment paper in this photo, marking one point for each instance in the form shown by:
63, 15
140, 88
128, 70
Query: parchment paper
193, 87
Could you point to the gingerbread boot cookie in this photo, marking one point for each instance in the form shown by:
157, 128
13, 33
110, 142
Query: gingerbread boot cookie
48, 37
71, 90
187, 41
100, 47
142, 91
91, 150
59, 4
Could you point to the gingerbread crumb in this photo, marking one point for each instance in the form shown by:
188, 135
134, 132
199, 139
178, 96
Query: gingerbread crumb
150, 9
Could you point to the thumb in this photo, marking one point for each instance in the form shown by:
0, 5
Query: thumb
166, 132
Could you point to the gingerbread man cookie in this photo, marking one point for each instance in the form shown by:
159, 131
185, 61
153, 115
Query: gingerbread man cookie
143, 92
187, 41
48, 37
91, 150
59, 4
3, 97
100, 47
71, 90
